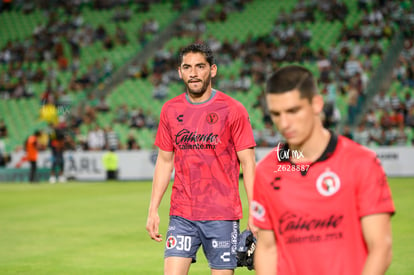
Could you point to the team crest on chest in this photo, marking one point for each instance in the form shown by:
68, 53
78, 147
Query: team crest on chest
212, 118
328, 183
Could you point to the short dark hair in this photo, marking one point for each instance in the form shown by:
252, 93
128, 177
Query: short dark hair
292, 77
197, 48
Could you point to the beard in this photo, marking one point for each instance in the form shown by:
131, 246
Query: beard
199, 92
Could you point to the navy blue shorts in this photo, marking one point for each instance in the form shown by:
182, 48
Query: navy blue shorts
218, 238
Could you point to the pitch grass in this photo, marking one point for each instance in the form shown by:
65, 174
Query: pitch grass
99, 228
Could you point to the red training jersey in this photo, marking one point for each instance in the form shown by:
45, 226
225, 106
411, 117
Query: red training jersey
315, 211
205, 139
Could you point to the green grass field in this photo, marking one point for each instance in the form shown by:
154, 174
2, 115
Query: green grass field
99, 228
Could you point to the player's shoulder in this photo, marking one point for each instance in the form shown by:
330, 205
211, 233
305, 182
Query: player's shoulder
231, 101
268, 161
174, 102
234, 107
354, 149
179, 99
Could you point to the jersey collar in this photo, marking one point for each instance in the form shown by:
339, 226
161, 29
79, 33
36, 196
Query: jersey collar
329, 150
213, 93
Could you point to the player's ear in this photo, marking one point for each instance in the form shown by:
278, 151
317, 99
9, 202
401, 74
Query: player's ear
317, 104
179, 72
213, 70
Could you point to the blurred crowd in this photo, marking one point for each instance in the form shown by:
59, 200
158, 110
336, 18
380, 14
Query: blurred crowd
344, 68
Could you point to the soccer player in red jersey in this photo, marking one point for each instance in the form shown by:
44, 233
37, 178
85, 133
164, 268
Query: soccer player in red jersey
321, 201
205, 135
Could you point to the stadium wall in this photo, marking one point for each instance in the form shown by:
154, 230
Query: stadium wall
139, 165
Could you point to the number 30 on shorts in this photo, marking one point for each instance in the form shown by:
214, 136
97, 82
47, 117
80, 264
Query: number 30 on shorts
180, 242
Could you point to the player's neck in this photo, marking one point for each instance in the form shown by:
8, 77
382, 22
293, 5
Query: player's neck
315, 145
200, 99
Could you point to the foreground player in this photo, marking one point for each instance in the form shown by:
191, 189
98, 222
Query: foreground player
205, 135
322, 202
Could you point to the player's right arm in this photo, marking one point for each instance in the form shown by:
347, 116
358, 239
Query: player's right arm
265, 256
162, 175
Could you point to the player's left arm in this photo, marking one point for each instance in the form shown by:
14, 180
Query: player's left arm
265, 255
248, 165
376, 229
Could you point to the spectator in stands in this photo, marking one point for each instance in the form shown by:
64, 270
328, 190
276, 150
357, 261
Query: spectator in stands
352, 66
150, 120
3, 129
49, 112
376, 134
108, 43
122, 14
39, 75
401, 136
408, 100
96, 138
399, 70
102, 105
396, 118
382, 100
385, 119
23, 89
243, 81
137, 118
228, 83
269, 136
107, 68
142, 71
134, 70
214, 43
331, 115
352, 103
160, 90
121, 36
347, 131
111, 139
122, 113
132, 143
100, 32
79, 139
6, 5
370, 118
324, 66
149, 27
4, 156
409, 120
89, 114
65, 100
395, 100
390, 135
409, 80
361, 134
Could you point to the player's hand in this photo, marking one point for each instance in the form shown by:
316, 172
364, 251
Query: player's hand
252, 227
152, 227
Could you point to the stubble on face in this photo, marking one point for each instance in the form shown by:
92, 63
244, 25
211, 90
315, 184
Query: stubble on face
198, 92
